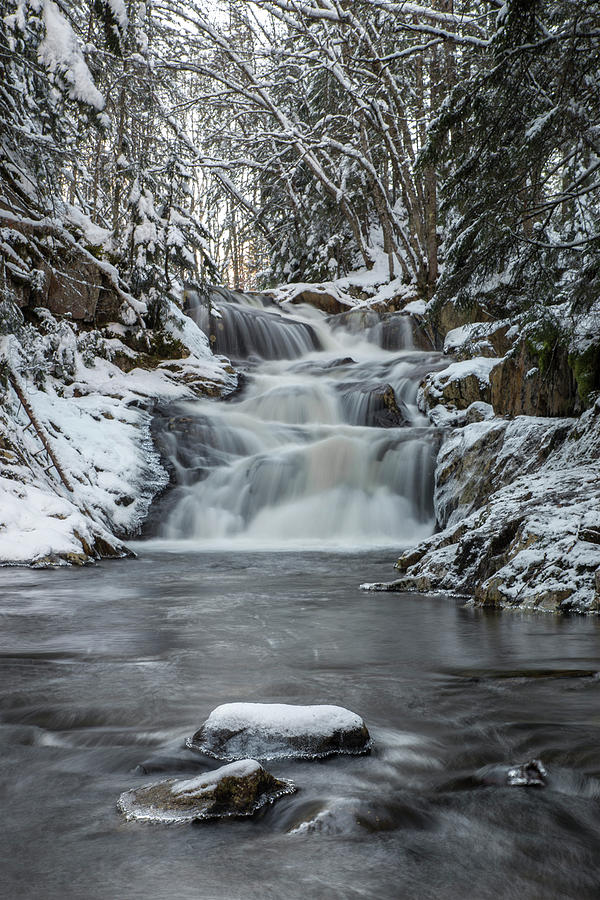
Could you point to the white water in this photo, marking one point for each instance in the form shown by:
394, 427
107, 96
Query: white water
309, 454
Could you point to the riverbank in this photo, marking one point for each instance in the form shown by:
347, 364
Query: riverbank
78, 470
517, 484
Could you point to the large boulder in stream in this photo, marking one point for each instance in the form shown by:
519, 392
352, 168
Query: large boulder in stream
375, 405
238, 789
279, 730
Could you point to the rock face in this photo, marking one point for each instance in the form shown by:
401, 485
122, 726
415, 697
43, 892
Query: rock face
518, 500
481, 459
460, 384
521, 385
69, 282
448, 316
277, 730
235, 790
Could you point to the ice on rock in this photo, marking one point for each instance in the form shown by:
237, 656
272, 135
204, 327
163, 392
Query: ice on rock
202, 785
238, 789
279, 730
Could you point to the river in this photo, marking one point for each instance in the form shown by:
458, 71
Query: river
110, 668
105, 671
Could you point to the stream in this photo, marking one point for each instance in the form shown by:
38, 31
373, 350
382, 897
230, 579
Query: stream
304, 484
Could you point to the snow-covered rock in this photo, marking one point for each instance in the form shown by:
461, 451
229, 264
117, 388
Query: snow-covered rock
238, 789
520, 501
280, 730
460, 384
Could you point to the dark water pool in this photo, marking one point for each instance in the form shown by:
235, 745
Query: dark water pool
105, 669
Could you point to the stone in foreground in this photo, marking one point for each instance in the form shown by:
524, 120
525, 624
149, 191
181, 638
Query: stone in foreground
238, 789
530, 774
279, 730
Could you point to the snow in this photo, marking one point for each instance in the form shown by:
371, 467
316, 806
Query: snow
374, 283
206, 783
36, 525
120, 13
480, 366
283, 719
94, 234
415, 307
61, 53
98, 426
459, 336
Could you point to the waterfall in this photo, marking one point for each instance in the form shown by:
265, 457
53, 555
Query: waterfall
323, 445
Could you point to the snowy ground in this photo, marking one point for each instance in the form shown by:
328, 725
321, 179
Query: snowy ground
361, 288
96, 419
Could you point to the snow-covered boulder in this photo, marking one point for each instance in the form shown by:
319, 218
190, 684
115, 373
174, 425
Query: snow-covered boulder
279, 730
238, 789
459, 385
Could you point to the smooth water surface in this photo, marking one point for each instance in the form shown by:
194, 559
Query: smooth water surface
112, 667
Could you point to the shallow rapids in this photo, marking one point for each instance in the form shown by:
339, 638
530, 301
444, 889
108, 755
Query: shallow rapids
323, 444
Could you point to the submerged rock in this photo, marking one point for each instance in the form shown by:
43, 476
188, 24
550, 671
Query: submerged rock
530, 774
280, 730
374, 405
238, 789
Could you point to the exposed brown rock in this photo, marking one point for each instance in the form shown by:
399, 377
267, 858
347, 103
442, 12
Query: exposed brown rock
522, 385
235, 790
456, 392
321, 300
449, 316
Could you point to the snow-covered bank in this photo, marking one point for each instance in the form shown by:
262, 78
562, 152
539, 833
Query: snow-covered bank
95, 418
362, 288
521, 503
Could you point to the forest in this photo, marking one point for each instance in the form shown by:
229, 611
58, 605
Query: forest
273, 142
299, 442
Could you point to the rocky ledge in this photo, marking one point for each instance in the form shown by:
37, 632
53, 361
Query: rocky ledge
518, 503
280, 730
238, 789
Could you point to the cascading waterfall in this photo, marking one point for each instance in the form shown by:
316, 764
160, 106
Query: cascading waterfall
323, 446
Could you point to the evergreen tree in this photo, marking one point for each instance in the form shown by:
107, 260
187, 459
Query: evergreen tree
519, 143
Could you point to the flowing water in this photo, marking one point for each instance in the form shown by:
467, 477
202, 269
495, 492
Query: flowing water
323, 445
104, 672
106, 669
